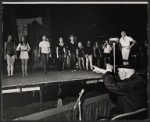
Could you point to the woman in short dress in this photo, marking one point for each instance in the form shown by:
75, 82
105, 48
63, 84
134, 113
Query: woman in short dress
24, 48
10, 54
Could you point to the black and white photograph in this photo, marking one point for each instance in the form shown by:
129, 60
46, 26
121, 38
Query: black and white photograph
74, 61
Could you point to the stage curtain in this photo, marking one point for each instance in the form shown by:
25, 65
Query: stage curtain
89, 112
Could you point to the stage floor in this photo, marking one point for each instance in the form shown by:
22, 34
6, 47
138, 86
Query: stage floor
39, 77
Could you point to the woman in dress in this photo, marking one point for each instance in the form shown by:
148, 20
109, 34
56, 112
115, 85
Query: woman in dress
10, 54
44, 50
60, 53
24, 48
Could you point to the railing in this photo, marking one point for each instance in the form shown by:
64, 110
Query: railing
92, 108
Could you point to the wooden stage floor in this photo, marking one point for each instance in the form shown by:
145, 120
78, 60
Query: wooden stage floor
39, 77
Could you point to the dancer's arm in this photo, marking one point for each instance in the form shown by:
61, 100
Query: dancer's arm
133, 43
15, 50
39, 51
29, 48
77, 52
57, 52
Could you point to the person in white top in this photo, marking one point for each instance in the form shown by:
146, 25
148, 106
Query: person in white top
24, 48
80, 55
125, 45
106, 52
44, 50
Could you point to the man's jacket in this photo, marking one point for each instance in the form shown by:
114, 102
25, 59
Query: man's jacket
131, 92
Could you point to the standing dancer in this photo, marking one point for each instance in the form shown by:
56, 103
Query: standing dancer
67, 57
88, 55
10, 52
72, 52
106, 53
97, 54
44, 50
80, 55
125, 46
24, 56
50, 54
60, 53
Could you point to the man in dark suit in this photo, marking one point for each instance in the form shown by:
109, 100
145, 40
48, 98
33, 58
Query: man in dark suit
129, 87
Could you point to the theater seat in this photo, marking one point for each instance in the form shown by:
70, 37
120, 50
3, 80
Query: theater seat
141, 114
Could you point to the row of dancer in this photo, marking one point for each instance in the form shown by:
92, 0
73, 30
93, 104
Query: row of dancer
84, 54
69, 53
72, 52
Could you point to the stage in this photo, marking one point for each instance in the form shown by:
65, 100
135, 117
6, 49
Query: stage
39, 77
49, 86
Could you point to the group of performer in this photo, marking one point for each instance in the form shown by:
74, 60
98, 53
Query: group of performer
10, 54
65, 53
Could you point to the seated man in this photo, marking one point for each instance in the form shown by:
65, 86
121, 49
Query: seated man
129, 87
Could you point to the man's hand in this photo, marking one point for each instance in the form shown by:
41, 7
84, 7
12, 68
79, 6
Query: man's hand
98, 70
109, 67
69, 54
50, 55
57, 56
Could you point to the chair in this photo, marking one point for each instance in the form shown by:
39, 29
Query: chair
141, 114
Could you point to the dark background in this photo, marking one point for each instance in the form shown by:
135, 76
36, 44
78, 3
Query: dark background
88, 21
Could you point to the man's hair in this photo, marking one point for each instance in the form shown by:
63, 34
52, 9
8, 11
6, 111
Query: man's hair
123, 32
129, 72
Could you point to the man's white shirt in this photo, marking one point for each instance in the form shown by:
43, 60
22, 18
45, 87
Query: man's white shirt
125, 42
45, 47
